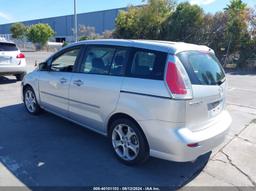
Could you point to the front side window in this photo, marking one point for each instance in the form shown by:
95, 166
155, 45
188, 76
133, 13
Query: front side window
148, 64
66, 61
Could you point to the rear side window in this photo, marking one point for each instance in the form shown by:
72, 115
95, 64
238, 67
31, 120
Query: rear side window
202, 68
98, 60
119, 62
8, 47
105, 60
148, 64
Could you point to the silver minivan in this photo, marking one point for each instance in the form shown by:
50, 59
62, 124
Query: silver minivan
151, 98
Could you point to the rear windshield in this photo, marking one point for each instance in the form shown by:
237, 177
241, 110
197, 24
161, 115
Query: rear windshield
202, 68
7, 47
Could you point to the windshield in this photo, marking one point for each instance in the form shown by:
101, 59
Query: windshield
203, 68
8, 47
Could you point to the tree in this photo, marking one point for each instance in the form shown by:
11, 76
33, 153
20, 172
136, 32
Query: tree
152, 16
184, 24
227, 32
107, 34
252, 22
40, 34
213, 32
127, 24
86, 32
18, 30
247, 51
143, 22
237, 24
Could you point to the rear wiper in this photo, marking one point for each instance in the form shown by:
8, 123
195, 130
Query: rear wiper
221, 81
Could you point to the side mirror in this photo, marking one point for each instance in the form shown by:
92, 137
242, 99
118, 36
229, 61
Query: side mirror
44, 66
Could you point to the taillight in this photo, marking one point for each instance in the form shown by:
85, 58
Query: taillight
174, 80
178, 81
20, 56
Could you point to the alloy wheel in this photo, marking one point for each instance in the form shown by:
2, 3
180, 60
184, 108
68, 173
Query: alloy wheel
30, 101
125, 142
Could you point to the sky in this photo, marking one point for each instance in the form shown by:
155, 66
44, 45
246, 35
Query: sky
22, 10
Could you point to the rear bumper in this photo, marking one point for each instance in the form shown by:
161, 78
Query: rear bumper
169, 140
6, 70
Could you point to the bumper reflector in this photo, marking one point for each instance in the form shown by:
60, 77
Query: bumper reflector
193, 145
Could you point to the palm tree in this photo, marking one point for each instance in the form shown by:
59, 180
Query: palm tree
236, 6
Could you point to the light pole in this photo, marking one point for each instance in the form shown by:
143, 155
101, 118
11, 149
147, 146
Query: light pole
75, 21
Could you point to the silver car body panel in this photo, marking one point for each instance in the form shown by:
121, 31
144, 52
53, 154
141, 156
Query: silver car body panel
149, 99
168, 124
99, 98
54, 91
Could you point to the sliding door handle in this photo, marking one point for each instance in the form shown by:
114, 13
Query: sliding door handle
78, 82
63, 80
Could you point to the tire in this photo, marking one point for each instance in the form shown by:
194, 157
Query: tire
128, 142
20, 77
30, 101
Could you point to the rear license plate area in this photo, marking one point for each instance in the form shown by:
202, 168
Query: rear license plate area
215, 108
5, 60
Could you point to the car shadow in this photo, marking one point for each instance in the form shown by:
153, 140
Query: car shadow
7, 80
46, 150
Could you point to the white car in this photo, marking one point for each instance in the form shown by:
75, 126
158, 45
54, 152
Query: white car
151, 98
12, 61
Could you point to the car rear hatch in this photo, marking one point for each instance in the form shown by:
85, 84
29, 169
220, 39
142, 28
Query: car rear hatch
9, 54
204, 83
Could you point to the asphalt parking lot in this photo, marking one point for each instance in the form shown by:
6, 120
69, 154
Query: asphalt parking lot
46, 150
